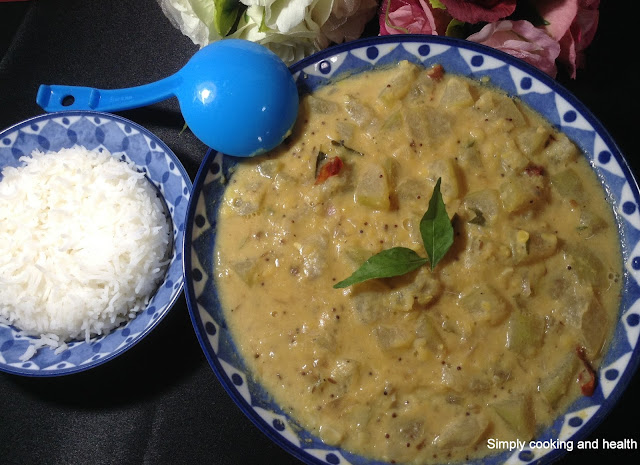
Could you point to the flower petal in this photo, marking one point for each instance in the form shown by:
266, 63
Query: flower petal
411, 16
559, 14
476, 11
522, 40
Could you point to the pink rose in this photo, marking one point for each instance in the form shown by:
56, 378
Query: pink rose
412, 17
573, 23
479, 11
522, 40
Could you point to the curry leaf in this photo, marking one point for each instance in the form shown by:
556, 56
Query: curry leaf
479, 219
386, 264
436, 228
437, 236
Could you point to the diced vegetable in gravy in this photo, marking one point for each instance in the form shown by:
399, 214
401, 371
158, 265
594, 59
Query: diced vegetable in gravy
494, 342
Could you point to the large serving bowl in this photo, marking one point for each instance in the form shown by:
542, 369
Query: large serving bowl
515, 77
127, 141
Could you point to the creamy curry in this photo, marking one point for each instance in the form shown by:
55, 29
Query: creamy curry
494, 342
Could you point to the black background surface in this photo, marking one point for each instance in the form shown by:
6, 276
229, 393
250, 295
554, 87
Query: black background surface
160, 403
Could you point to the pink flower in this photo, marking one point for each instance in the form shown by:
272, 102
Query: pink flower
573, 23
522, 40
479, 11
412, 17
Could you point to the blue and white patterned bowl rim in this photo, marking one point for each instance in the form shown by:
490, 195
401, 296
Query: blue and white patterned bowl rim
517, 78
128, 141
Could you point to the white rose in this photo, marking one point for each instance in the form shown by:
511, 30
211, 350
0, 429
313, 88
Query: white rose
293, 29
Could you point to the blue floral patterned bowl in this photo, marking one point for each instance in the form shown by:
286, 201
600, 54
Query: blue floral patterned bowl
128, 141
516, 78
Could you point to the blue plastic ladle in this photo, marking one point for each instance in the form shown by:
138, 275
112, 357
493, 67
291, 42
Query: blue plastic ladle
236, 96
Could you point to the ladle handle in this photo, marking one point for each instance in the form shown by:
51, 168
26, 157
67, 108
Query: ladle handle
56, 97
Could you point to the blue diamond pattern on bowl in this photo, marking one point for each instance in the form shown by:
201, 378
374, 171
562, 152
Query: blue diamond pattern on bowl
128, 141
516, 78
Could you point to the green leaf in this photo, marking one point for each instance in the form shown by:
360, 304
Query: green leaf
456, 28
225, 14
386, 264
263, 24
219, 15
437, 235
437, 4
436, 228
478, 219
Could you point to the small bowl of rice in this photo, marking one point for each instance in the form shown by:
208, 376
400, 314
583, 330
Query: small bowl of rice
92, 208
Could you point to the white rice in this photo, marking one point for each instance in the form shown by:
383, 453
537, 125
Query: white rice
84, 243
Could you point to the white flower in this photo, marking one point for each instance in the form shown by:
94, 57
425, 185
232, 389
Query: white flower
281, 28
183, 17
293, 29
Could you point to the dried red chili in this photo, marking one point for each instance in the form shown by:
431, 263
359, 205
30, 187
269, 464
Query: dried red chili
589, 386
436, 72
534, 170
330, 168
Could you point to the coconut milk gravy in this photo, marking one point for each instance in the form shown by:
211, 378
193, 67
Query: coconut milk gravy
422, 368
